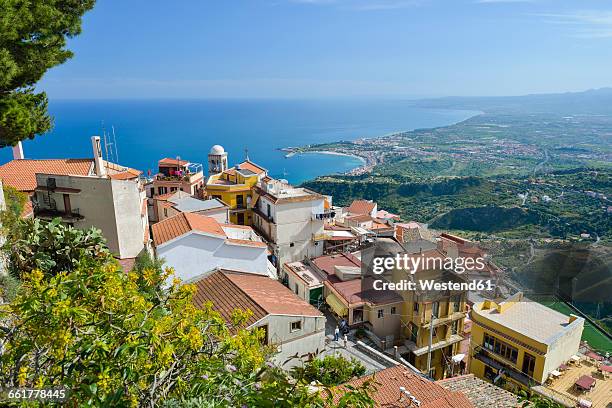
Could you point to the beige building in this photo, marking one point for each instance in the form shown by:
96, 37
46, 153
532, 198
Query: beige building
87, 193
291, 219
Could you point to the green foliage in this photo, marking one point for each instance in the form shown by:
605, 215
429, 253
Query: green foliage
52, 246
9, 286
536, 401
124, 339
329, 370
32, 40
15, 201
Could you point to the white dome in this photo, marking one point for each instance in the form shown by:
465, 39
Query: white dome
217, 149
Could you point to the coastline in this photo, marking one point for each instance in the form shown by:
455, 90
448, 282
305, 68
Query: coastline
368, 162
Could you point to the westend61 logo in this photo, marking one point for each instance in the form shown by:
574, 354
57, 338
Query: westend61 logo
386, 266
413, 263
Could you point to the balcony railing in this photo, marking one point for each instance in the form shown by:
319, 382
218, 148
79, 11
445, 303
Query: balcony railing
499, 363
50, 213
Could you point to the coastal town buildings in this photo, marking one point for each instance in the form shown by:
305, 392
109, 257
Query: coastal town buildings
290, 323
170, 204
521, 341
415, 237
233, 186
86, 193
174, 174
195, 245
431, 321
291, 219
304, 281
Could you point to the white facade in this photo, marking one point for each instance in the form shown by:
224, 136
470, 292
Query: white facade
309, 338
290, 219
196, 253
113, 206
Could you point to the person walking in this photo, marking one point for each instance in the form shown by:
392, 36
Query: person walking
337, 334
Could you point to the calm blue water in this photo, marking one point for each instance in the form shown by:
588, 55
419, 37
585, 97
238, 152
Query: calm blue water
149, 130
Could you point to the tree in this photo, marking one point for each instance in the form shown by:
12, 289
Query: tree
52, 247
329, 370
95, 330
32, 40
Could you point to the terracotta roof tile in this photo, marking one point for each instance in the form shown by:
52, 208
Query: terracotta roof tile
249, 165
271, 295
327, 263
172, 162
389, 381
361, 207
228, 290
182, 223
21, 174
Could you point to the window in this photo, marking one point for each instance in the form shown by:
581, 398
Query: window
165, 212
415, 307
393, 310
414, 332
381, 313
240, 201
240, 219
435, 309
528, 364
500, 348
296, 326
162, 190
269, 211
172, 189
292, 245
456, 300
455, 327
297, 289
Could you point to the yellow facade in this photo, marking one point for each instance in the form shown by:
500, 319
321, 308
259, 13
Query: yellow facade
236, 190
447, 328
515, 359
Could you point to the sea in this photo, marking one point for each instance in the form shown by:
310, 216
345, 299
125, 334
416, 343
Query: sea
148, 130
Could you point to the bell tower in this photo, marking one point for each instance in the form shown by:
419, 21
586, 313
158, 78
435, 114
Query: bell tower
217, 160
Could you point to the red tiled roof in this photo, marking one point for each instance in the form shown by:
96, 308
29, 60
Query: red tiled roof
249, 165
21, 174
226, 297
182, 223
129, 174
167, 161
481, 393
389, 381
359, 217
361, 207
229, 290
353, 293
327, 263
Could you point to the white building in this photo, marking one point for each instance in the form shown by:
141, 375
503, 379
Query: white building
170, 204
87, 193
289, 323
291, 219
194, 245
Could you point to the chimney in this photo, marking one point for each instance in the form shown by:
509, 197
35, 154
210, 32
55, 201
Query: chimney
18, 151
97, 152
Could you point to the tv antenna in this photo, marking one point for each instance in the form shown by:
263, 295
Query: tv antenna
110, 155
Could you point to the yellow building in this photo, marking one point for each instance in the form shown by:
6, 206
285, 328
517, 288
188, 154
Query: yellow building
518, 342
429, 315
234, 186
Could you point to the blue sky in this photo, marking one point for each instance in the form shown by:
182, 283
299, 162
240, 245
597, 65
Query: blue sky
336, 48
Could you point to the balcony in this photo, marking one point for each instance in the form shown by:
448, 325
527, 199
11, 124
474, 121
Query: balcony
265, 217
499, 363
419, 351
48, 214
445, 320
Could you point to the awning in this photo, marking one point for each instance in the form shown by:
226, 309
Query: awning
336, 305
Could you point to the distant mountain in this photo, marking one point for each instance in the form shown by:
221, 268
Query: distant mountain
593, 101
